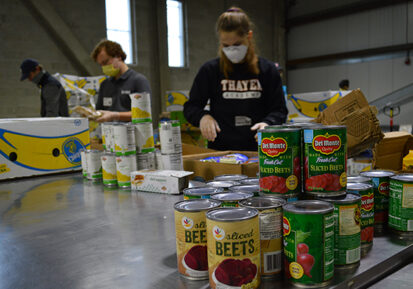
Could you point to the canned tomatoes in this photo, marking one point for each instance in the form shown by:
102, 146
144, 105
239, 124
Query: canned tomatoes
109, 169
107, 137
279, 160
124, 135
401, 205
170, 137
308, 228
270, 216
358, 179
141, 107
325, 164
233, 239
144, 138
381, 187
365, 191
201, 192
146, 161
191, 239
231, 198
255, 189
236, 178
346, 230
124, 166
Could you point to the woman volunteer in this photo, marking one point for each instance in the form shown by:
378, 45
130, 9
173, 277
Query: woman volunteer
244, 90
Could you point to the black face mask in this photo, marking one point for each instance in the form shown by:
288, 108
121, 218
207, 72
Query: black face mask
37, 77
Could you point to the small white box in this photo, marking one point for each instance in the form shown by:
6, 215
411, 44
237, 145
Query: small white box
160, 181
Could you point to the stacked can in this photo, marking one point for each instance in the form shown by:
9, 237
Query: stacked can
142, 123
108, 140
171, 145
94, 165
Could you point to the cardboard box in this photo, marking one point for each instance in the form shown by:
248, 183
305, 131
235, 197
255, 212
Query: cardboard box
353, 111
188, 149
160, 181
208, 170
39, 146
389, 152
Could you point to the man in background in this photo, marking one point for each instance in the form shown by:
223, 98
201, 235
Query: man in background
52, 94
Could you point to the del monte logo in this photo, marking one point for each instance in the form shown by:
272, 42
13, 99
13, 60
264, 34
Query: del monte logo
327, 144
273, 147
187, 223
219, 233
367, 202
384, 188
286, 226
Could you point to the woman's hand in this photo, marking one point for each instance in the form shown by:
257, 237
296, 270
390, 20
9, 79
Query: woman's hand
108, 116
209, 127
257, 126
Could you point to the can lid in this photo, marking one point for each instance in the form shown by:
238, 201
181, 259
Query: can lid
232, 214
333, 126
230, 177
245, 188
304, 124
281, 129
359, 186
202, 191
358, 179
346, 199
309, 207
377, 173
403, 177
196, 205
232, 196
250, 181
222, 184
261, 203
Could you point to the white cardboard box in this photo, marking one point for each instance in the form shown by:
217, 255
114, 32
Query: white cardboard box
39, 146
160, 181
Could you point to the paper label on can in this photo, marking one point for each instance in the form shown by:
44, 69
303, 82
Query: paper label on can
234, 253
109, 169
141, 107
381, 188
401, 206
124, 167
94, 165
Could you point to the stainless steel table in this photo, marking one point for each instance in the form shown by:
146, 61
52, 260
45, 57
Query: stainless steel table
64, 232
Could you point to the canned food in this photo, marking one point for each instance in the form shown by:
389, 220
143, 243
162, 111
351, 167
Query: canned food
107, 137
308, 228
346, 230
401, 205
146, 161
144, 138
325, 165
358, 179
109, 169
83, 160
94, 165
191, 239
141, 107
290, 198
255, 189
172, 162
270, 217
381, 187
236, 178
222, 184
124, 166
124, 135
365, 191
170, 137
231, 199
250, 181
201, 192
233, 240
279, 160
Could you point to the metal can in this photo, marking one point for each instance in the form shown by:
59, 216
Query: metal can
201, 192
94, 165
358, 179
233, 239
236, 178
255, 189
146, 161
308, 228
124, 166
107, 137
365, 191
158, 160
325, 160
381, 187
290, 198
109, 169
170, 137
250, 181
124, 135
222, 184
279, 161
401, 205
144, 138
83, 159
141, 107
270, 217
347, 240
172, 162
231, 199
191, 237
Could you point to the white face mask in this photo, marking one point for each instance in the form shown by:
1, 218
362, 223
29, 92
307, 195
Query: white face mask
235, 53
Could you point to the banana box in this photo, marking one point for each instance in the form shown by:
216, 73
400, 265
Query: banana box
306, 106
175, 100
40, 146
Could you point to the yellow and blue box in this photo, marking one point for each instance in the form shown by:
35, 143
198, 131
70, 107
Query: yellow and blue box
40, 146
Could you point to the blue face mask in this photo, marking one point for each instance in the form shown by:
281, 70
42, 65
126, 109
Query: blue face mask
235, 53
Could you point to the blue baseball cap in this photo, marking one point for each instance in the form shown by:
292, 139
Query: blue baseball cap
27, 66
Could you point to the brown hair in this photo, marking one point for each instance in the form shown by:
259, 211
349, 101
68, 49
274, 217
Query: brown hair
112, 48
236, 20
